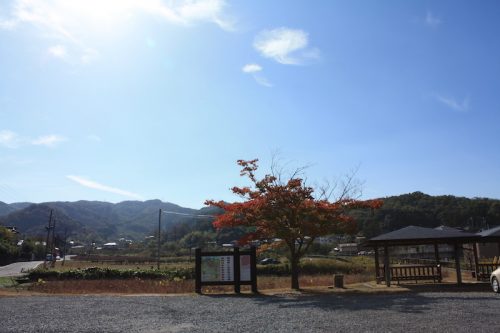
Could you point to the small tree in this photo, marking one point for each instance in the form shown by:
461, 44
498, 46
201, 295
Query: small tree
286, 209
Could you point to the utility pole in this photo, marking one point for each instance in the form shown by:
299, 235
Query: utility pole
65, 246
159, 236
54, 243
48, 235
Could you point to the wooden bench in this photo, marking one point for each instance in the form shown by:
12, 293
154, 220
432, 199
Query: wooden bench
412, 273
484, 271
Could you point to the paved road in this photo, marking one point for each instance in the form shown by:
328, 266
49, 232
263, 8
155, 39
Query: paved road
18, 268
409, 312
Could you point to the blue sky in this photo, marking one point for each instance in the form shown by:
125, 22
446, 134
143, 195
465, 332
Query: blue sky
124, 100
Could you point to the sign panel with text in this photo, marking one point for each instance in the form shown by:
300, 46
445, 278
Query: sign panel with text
226, 268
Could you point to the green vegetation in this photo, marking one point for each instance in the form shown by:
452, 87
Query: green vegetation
8, 282
185, 270
97, 222
423, 210
96, 273
8, 249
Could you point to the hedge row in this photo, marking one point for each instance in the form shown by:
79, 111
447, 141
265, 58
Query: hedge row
312, 268
96, 273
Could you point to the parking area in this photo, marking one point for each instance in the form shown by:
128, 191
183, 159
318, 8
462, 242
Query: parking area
401, 312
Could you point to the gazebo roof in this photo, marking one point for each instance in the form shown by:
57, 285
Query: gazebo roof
493, 232
446, 228
420, 235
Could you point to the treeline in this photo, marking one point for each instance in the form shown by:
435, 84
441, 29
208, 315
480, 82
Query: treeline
423, 210
11, 250
419, 209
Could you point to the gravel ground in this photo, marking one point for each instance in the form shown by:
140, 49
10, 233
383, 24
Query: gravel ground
406, 312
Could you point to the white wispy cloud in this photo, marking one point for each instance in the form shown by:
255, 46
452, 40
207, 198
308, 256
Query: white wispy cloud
48, 140
73, 23
286, 46
262, 81
100, 187
94, 137
251, 68
454, 104
431, 20
255, 71
58, 51
10, 139
13, 140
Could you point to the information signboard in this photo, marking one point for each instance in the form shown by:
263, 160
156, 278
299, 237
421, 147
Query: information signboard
245, 268
217, 268
226, 268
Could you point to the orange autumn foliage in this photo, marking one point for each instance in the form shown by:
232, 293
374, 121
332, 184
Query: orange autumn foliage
288, 211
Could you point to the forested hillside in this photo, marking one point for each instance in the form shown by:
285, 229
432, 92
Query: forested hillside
96, 220
429, 211
104, 221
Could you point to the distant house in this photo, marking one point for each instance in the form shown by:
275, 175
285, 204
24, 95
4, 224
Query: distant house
12, 229
110, 246
348, 249
327, 240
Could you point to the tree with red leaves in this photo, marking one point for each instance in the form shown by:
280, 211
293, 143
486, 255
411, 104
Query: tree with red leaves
288, 210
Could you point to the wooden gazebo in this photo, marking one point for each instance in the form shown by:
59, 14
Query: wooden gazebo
483, 270
413, 235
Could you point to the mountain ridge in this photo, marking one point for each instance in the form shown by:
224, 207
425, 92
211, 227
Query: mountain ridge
94, 219
136, 219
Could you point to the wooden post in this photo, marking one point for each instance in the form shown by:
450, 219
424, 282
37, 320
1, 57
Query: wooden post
236, 269
476, 261
438, 260
197, 264
457, 264
377, 265
253, 268
387, 268
436, 253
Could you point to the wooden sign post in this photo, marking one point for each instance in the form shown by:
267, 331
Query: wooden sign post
226, 268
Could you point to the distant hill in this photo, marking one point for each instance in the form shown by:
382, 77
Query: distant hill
104, 221
5, 209
96, 220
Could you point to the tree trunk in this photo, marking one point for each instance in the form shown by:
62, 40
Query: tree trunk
294, 261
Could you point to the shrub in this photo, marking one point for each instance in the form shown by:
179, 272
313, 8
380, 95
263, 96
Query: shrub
96, 273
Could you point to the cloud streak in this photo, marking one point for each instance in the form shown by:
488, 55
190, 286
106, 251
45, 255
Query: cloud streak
255, 71
100, 187
251, 68
48, 140
58, 51
12, 140
431, 20
453, 103
286, 46
9, 139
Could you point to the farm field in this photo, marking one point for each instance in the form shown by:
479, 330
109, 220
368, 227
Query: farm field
318, 272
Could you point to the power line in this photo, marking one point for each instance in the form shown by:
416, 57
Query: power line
186, 214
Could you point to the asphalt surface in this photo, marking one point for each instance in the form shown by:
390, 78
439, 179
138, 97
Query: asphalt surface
407, 312
18, 268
